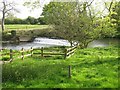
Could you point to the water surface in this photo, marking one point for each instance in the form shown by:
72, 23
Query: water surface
46, 42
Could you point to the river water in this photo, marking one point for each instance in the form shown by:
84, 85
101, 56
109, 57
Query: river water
46, 42
104, 42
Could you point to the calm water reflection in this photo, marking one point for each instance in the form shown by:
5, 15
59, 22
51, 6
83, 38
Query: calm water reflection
104, 42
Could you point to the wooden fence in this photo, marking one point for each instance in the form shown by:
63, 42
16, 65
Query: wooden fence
43, 52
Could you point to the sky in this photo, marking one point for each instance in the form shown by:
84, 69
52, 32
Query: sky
25, 11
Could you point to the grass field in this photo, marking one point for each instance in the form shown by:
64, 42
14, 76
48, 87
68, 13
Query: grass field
28, 31
24, 27
91, 68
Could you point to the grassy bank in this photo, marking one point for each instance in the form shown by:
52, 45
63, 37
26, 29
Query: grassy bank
24, 27
27, 31
91, 68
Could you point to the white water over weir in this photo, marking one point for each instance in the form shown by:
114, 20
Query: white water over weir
38, 43
48, 41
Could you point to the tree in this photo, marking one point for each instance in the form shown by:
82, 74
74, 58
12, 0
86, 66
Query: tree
41, 20
75, 21
115, 17
5, 9
113, 8
60, 18
31, 20
70, 20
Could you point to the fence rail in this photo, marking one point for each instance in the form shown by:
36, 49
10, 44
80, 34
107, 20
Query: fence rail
37, 51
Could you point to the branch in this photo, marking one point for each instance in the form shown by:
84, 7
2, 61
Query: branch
90, 3
90, 13
110, 5
109, 8
9, 4
106, 6
9, 10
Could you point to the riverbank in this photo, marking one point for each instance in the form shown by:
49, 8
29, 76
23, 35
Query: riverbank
90, 67
30, 34
27, 33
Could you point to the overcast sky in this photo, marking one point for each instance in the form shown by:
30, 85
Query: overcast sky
25, 12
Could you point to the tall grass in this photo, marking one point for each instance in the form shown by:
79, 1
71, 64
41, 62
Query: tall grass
91, 68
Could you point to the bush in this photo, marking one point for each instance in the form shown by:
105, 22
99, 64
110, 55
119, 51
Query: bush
6, 58
6, 36
13, 33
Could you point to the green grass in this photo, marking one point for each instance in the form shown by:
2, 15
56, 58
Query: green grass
91, 68
24, 27
28, 31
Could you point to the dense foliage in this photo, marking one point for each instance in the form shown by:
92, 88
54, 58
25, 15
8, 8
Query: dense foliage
28, 20
74, 22
115, 17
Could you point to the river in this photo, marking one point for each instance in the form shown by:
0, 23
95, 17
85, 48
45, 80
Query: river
46, 42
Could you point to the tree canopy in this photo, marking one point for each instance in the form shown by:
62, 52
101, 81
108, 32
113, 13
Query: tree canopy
75, 22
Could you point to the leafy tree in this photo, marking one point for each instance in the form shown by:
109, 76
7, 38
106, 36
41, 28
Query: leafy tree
41, 20
70, 21
74, 22
31, 20
61, 18
115, 17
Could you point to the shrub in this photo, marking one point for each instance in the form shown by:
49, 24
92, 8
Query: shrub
6, 58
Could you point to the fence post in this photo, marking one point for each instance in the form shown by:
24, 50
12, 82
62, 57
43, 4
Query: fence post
69, 71
11, 55
22, 53
42, 52
31, 51
65, 53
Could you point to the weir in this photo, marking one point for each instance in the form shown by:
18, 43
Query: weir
48, 41
38, 43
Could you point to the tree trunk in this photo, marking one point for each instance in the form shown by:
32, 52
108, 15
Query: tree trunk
2, 25
3, 17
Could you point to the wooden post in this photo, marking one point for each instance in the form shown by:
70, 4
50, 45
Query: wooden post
31, 51
42, 52
11, 55
65, 53
22, 53
69, 71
